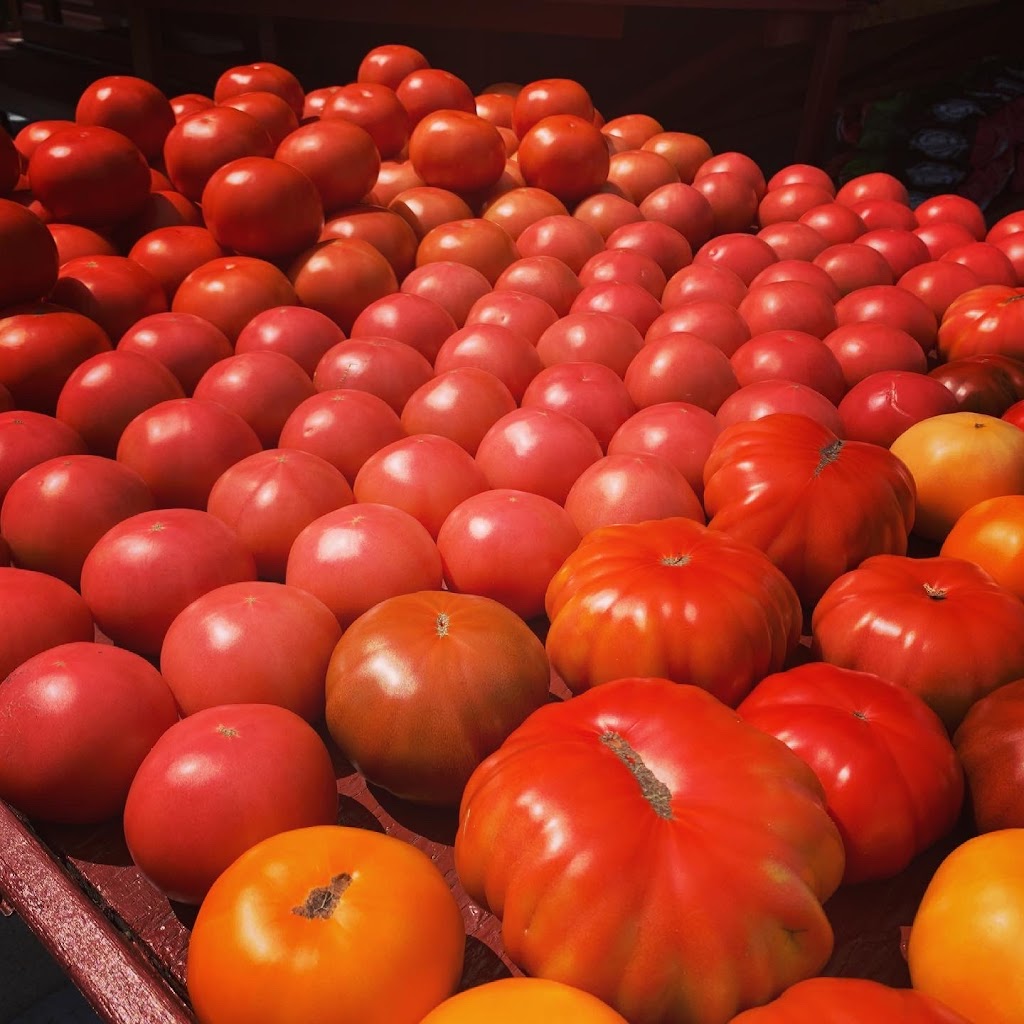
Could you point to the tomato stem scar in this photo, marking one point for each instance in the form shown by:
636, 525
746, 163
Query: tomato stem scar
935, 593
655, 792
829, 454
442, 624
323, 900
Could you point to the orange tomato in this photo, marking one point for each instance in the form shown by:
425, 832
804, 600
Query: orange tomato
328, 924
514, 1000
957, 460
991, 534
967, 941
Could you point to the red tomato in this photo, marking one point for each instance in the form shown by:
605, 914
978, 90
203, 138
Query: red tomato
631, 302
72, 240
566, 238
884, 404
537, 450
386, 368
793, 356
506, 544
29, 438
188, 103
884, 213
383, 229
703, 281
424, 208
260, 77
630, 487
683, 208
979, 385
938, 283
605, 211
425, 90
34, 133
457, 150
547, 97
500, 351
710, 319
593, 337
40, 349
851, 265
420, 323
638, 172
170, 254
734, 163
790, 202
89, 175
766, 480
376, 109
41, 613
941, 236
395, 177
564, 154
1012, 247
269, 109
76, 721
901, 249
732, 198
1005, 226
204, 141
866, 348
793, 240
28, 256
518, 208
983, 320
952, 209
229, 292
988, 262
520, 312
893, 306
495, 107
185, 344
454, 286
685, 151
765, 397
131, 106
797, 270
342, 426
861, 733
679, 368
662, 243
339, 157
160, 210
184, 827
834, 222
788, 305
355, 557
479, 243
806, 174
989, 534
875, 185
112, 291
315, 102
546, 278
389, 64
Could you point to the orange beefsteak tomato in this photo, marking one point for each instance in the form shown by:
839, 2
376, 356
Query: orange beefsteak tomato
328, 924
517, 1000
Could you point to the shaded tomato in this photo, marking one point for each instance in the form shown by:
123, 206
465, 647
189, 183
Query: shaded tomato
185, 344
686, 152
732, 198
379, 227
72, 240
424, 207
170, 254
28, 256
979, 385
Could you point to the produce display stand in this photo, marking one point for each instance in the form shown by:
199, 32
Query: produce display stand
125, 946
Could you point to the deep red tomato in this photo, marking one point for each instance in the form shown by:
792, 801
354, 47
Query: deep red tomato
874, 185
884, 213
76, 721
798, 270
682, 207
29, 438
204, 141
745, 255
733, 200
789, 355
355, 557
455, 286
89, 175
185, 344
834, 222
28, 256
149, 567
790, 202
1012, 247
420, 323
866, 348
339, 157
564, 154
546, 97
72, 240
229, 292
376, 109
262, 77
132, 106
884, 404
160, 210
679, 367
184, 827
170, 254
389, 64
395, 177
861, 733
941, 627
988, 262
180, 448
41, 612
767, 479
496, 107
40, 349
506, 544
381, 228
269, 109
56, 511
663, 243
981, 385
941, 236
425, 90
302, 334
518, 208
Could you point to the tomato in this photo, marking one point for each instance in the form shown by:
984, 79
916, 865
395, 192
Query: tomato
990, 535
952, 209
546, 97
389, 369
601, 811
420, 323
343, 426
381, 228
765, 397
630, 301
892, 781
170, 254
679, 367
389, 64
188, 103
788, 305
865, 348
500, 351
1005, 226
54, 513
892, 305
322, 906
798, 270
34, 133
662, 243
72, 240
511, 1000
884, 213
733, 200
425, 90
793, 240
260, 77
518, 208
703, 281
40, 612
545, 277
986, 319
269, 109
590, 336
875, 185
339, 157
564, 154
683, 208
989, 263
76, 721
479, 243
131, 106
968, 932
710, 319
850, 1001
457, 150
789, 355
834, 222
496, 107
938, 283
566, 238
982, 454
686, 152
89, 175
638, 172
1012, 247
376, 109
851, 265
185, 344
605, 211
40, 349
424, 208
28, 256
525, 314
790, 202
805, 174
979, 385
456, 287
901, 249
160, 210
941, 236
886, 403
767, 480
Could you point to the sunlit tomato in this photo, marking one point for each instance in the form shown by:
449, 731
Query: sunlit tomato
510, 357
521, 312
342, 426
954, 209
564, 154
420, 323
566, 238
188, 103
790, 202
632, 302
901, 249
389, 64
746, 255
355, 557
990, 534
425, 90
77, 721
874, 185
340, 278
865, 348
151, 566
384, 367
885, 403
892, 305
229, 292
546, 97
39, 350
733, 200
518, 208
184, 343
968, 933
107, 391
938, 283
29, 438
315, 101
112, 291
204, 141
1005, 226
791, 240
35, 132
982, 454
686, 152
1012, 247
884, 213
545, 277
456, 287
680, 367
72, 240
801, 174
303, 906
479, 243
703, 281
181, 826
591, 336
376, 109
424, 208
170, 254
988, 262
767, 397
260, 77
131, 106
941, 236
850, 266
788, 305
89, 175
789, 355
457, 150
710, 319
495, 107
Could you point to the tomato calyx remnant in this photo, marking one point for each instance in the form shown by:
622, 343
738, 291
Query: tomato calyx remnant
227, 730
655, 792
323, 900
442, 624
935, 593
828, 455
675, 560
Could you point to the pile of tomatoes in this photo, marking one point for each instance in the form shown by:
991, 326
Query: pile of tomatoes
343, 422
